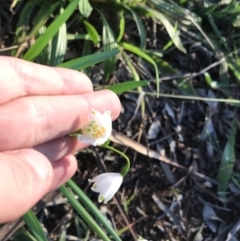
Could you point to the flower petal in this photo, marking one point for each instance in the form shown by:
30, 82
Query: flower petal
106, 184
100, 141
98, 117
86, 138
112, 190
98, 129
103, 176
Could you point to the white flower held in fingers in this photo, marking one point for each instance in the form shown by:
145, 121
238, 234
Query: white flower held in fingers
107, 184
98, 129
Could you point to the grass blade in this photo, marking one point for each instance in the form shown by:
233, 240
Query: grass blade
121, 27
109, 43
23, 21
43, 40
142, 54
85, 8
87, 61
42, 16
227, 163
126, 86
87, 50
26, 236
92, 32
34, 226
84, 214
58, 46
86, 201
141, 28
174, 35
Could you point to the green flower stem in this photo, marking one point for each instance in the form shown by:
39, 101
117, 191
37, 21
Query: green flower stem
84, 214
124, 169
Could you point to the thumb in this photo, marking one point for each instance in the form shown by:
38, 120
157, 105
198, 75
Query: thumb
25, 177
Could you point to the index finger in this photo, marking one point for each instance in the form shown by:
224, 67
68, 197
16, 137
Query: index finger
21, 78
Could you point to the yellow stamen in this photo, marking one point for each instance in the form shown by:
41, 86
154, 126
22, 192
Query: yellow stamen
95, 130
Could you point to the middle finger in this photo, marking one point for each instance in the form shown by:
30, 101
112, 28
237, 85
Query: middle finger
30, 121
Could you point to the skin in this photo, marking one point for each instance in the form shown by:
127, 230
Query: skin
39, 107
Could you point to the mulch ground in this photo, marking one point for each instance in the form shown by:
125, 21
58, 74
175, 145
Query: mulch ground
160, 201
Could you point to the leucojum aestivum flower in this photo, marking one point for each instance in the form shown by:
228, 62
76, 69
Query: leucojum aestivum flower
97, 132
98, 129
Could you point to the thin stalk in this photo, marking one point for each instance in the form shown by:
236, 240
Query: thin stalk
125, 168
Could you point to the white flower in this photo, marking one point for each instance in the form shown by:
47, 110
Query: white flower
107, 184
98, 129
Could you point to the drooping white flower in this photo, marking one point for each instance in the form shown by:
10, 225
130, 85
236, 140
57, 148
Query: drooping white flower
98, 129
106, 184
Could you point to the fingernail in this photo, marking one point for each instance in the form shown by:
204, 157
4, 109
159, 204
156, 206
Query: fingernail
39, 165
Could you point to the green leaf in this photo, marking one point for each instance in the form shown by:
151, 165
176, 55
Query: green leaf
227, 162
42, 16
23, 21
24, 237
87, 50
78, 36
85, 8
33, 224
43, 57
87, 61
121, 28
142, 54
126, 86
109, 43
58, 46
132, 69
83, 213
92, 32
173, 33
81, 229
63, 235
92, 207
175, 13
141, 29
43, 40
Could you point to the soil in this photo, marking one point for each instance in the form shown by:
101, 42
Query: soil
160, 201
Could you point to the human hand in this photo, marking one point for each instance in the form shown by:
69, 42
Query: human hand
39, 107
